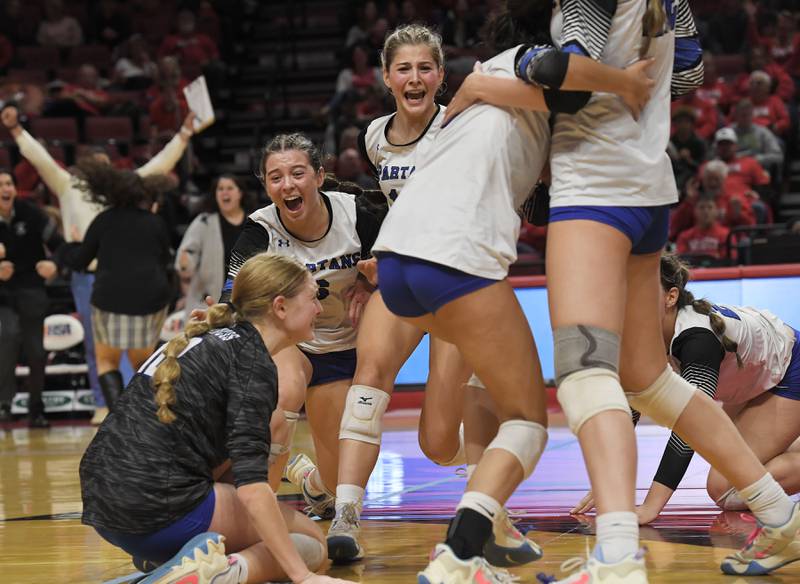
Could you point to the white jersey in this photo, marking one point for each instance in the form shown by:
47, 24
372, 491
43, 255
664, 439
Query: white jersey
331, 260
765, 348
459, 208
601, 155
393, 164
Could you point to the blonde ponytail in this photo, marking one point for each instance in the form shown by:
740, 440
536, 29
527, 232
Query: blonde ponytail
653, 23
260, 280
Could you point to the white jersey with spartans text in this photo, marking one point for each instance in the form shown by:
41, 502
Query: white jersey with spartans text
601, 155
393, 164
459, 208
765, 347
331, 260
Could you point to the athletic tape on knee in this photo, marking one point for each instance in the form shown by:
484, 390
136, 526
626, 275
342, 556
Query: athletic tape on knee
291, 423
525, 440
581, 347
276, 450
475, 382
363, 411
309, 549
665, 399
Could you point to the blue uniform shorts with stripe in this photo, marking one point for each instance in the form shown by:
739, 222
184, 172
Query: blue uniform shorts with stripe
646, 227
414, 287
333, 366
161, 545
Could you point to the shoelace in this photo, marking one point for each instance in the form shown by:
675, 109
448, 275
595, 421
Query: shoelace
350, 516
570, 565
498, 575
747, 518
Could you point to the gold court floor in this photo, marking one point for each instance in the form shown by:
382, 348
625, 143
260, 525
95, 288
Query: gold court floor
408, 502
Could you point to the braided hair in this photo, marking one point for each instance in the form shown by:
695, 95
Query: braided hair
675, 274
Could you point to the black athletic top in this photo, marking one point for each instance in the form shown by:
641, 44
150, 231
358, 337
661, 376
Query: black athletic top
132, 248
139, 475
25, 237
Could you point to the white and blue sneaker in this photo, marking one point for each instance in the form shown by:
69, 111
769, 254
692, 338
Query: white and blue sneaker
201, 561
297, 472
767, 549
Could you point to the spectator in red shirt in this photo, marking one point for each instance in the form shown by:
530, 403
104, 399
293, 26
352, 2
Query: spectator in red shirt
194, 50
706, 115
708, 237
769, 110
759, 59
168, 106
785, 48
734, 210
744, 172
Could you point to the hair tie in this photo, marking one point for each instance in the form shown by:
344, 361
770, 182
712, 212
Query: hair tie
231, 306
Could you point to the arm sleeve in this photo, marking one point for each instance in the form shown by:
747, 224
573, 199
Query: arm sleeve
362, 148
192, 242
252, 397
546, 67
586, 26
56, 178
700, 354
164, 161
687, 70
367, 227
253, 239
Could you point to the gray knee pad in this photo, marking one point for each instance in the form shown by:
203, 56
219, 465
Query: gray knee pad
580, 347
587, 360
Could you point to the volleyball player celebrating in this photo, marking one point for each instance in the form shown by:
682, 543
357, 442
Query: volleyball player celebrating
608, 224
443, 257
328, 233
395, 145
149, 479
750, 361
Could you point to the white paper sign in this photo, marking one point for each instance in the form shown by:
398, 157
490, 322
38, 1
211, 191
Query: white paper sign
199, 102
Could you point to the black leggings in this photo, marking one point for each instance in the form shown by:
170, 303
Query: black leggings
22, 325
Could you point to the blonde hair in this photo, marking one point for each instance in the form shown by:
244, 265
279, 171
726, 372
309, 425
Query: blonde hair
412, 34
653, 23
260, 280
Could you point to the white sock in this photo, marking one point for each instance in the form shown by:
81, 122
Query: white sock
617, 536
470, 470
348, 494
481, 503
242, 565
768, 501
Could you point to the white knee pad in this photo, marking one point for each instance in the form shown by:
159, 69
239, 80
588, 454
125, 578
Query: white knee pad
460, 457
525, 440
363, 411
665, 399
309, 549
586, 393
475, 382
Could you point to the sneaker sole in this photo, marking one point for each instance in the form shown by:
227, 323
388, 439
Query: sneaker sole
423, 579
161, 575
753, 568
343, 549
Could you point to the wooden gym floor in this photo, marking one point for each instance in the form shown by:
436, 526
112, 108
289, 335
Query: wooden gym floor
408, 502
